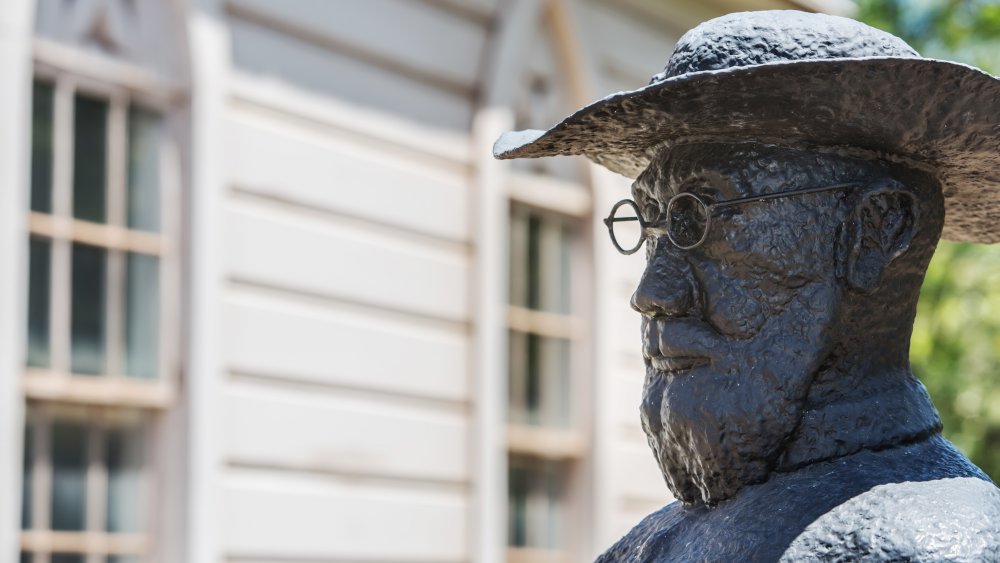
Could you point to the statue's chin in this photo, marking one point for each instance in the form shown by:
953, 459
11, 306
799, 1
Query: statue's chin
708, 454
696, 477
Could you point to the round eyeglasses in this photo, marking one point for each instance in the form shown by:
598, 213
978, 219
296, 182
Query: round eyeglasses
688, 218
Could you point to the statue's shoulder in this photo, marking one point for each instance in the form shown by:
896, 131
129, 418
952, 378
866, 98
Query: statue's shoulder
643, 543
953, 519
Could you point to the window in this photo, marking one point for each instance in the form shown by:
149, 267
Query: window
540, 319
95, 246
100, 349
548, 365
83, 485
544, 434
536, 499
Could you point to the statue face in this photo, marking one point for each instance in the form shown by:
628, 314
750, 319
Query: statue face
735, 329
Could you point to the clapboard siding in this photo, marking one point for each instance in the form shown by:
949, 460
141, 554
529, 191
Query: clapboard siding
285, 516
432, 41
297, 252
629, 47
265, 51
313, 343
280, 160
394, 136
348, 246
677, 16
272, 426
479, 10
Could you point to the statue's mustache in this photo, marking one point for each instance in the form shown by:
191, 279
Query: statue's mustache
672, 338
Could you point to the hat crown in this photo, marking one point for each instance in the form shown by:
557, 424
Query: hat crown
755, 38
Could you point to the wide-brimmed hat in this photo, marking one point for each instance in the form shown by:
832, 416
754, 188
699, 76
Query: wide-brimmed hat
799, 79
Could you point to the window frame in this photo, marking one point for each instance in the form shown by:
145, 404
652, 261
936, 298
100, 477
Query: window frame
71, 72
39, 541
570, 202
97, 401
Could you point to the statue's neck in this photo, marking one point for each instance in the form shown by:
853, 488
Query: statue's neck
876, 412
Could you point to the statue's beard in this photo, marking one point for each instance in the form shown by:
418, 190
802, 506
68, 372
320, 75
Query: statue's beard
719, 427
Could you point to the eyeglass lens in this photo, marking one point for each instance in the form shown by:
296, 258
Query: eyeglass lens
687, 220
625, 227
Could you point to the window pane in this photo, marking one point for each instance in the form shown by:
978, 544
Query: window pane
66, 558
144, 170
124, 464
540, 261
562, 281
518, 249
90, 132
39, 280
535, 502
518, 485
41, 147
27, 477
553, 267
87, 330
538, 382
69, 476
521, 385
553, 360
142, 318
533, 269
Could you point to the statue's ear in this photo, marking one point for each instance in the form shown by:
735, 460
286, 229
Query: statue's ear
879, 230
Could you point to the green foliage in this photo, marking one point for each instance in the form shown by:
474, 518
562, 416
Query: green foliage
955, 348
966, 31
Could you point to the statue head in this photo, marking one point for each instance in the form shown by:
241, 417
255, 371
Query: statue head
797, 302
793, 174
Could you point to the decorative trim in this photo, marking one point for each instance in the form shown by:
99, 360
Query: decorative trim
210, 80
97, 72
16, 23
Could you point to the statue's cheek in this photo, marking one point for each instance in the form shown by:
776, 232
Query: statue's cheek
736, 310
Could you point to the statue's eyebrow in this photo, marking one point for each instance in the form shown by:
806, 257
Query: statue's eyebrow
641, 191
702, 185
643, 198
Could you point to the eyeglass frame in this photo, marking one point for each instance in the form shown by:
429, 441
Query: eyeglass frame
610, 220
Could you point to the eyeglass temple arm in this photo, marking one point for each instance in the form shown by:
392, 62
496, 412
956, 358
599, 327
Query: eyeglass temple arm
765, 197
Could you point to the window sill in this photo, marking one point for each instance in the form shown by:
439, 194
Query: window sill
545, 443
83, 542
97, 390
536, 555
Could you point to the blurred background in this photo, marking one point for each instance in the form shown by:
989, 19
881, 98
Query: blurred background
268, 298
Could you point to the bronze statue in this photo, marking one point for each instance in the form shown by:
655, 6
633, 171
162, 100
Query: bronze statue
793, 174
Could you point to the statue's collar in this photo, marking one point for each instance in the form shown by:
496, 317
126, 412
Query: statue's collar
895, 412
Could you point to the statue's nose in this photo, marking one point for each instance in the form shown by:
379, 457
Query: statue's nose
667, 287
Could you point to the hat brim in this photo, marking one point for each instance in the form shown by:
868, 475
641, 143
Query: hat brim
938, 112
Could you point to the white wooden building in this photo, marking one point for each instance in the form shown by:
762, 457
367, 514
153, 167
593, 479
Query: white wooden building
267, 297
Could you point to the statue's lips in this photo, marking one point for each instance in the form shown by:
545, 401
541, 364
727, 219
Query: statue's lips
676, 364
672, 345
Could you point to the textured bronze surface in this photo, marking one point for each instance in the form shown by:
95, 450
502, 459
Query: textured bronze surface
778, 400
